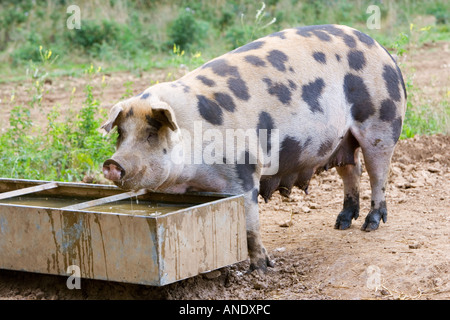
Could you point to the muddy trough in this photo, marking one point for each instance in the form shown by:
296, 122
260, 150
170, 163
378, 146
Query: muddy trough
135, 237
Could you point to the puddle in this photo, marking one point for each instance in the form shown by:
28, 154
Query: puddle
129, 206
42, 201
147, 208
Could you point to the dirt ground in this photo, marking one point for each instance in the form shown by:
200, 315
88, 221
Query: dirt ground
406, 258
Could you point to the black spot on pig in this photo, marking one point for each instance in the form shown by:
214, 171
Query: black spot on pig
278, 89
221, 68
291, 170
289, 157
332, 30
388, 110
391, 79
145, 95
279, 34
311, 93
357, 94
185, 87
349, 41
210, 110
320, 57
249, 46
235, 82
225, 101
245, 169
319, 31
305, 31
129, 113
364, 38
401, 79
153, 122
398, 70
292, 85
239, 88
206, 81
265, 122
338, 57
322, 35
325, 147
396, 129
256, 61
277, 59
356, 59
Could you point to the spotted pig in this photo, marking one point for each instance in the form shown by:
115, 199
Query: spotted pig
324, 92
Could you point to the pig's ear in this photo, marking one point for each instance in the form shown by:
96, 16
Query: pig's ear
162, 112
113, 114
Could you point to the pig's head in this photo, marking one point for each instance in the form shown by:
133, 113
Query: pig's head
148, 135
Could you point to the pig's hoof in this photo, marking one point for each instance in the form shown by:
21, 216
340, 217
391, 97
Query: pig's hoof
261, 264
344, 219
373, 219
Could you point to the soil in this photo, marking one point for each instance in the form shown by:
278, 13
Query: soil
408, 257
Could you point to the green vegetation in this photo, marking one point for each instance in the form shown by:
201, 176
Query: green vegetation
66, 149
144, 35
124, 35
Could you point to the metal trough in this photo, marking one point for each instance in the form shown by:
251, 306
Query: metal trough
136, 237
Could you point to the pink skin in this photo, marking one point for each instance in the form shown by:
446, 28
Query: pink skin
111, 172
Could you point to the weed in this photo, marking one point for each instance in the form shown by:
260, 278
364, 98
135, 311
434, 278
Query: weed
128, 90
250, 30
179, 58
420, 118
66, 149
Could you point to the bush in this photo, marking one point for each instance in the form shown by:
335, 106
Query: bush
440, 10
93, 33
186, 30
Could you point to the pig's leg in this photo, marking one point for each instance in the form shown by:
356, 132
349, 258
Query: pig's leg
259, 259
248, 175
351, 176
377, 161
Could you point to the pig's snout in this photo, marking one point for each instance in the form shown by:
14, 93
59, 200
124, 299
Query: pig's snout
112, 170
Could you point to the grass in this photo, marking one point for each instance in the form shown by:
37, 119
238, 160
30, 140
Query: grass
124, 35
141, 36
423, 119
68, 148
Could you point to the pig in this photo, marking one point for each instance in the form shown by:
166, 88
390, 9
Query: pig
321, 95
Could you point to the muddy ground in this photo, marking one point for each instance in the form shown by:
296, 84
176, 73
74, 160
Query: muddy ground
406, 258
